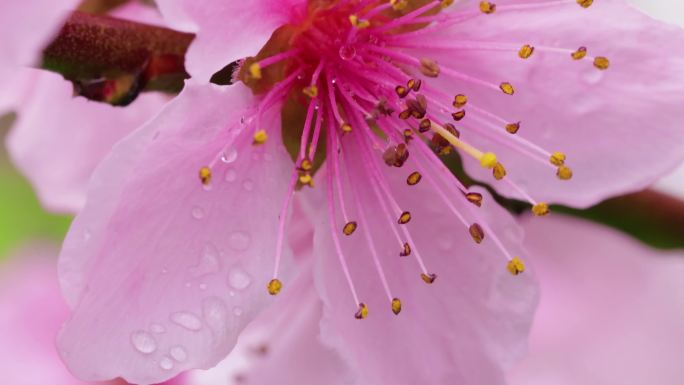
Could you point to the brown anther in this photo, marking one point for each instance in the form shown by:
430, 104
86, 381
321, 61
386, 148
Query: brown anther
458, 115
349, 228
513, 128
396, 306
452, 130
601, 63
425, 125
401, 91
429, 67
414, 84
274, 286
564, 173
440, 145
585, 3
476, 233
403, 115
346, 128
404, 218
417, 106
362, 312
487, 7
540, 209
474, 198
460, 100
413, 178
408, 135
428, 278
383, 107
526, 51
396, 156
405, 251
205, 175
499, 171
507, 88
580, 54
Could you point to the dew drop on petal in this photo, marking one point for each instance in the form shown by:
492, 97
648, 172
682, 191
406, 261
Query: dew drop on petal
229, 155
215, 314
208, 261
178, 353
239, 240
157, 329
237, 311
239, 279
187, 320
248, 185
197, 212
203, 286
166, 363
143, 342
231, 175
347, 52
593, 76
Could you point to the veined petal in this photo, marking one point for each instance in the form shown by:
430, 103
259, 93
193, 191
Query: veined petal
620, 128
610, 312
156, 264
459, 329
227, 30
57, 140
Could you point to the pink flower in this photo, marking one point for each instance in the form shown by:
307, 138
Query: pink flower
32, 313
159, 260
611, 310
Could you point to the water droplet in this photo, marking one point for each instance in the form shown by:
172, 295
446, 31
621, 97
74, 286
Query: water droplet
203, 286
178, 353
237, 311
231, 293
239, 241
165, 271
248, 185
143, 342
187, 320
347, 52
166, 363
593, 76
231, 175
197, 212
157, 328
208, 261
229, 155
334, 81
239, 279
215, 314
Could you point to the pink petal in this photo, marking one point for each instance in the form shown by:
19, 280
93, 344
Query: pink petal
58, 140
156, 265
227, 30
461, 329
620, 128
611, 310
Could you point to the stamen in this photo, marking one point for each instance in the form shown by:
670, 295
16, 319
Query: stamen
515, 266
205, 175
260, 137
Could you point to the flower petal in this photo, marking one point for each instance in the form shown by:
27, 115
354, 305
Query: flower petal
58, 140
227, 30
156, 265
461, 329
611, 311
620, 128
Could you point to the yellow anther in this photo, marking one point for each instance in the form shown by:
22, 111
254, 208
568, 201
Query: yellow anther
445, 3
526, 51
513, 128
487, 7
585, 3
413, 178
362, 312
564, 173
488, 160
507, 88
306, 179
311, 91
406, 250
580, 54
601, 63
396, 306
358, 23
349, 228
557, 158
515, 266
540, 209
476, 233
460, 100
428, 278
474, 198
399, 5
306, 165
205, 175
458, 115
404, 218
429, 67
274, 286
499, 171
408, 134
255, 70
346, 128
260, 137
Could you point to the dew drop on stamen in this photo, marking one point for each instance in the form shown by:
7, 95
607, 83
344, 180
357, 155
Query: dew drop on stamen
347, 52
143, 342
187, 320
166, 363
239, 279
229, 155
178, 353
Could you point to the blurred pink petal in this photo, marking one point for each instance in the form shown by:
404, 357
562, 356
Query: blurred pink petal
58, 140
611, 309
157, 266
